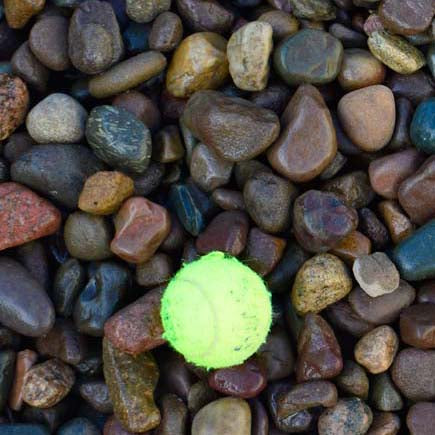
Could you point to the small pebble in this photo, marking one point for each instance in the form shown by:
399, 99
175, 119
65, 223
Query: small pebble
283, 24
353, 380
399, 225
166, 32
384, 423
417, 326
421, 418
158, 270
353, 246
144, 11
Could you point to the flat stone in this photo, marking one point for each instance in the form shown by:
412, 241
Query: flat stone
199, 62
137, 328
158, 270
237, 129
131, 381
368, 116
19, 12
166, 32
421, 418
307, 143
353, 380
381, 309
398, 223
319, 354
141, 226
321, 220
145, 11
46, 384
349, 38
422, 127
309, 56
417, 326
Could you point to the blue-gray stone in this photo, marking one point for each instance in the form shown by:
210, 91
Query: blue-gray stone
23, 429
423, 126
78, 426
136, 37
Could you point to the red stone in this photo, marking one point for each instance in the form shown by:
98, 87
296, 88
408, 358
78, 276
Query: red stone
24, 216
141, 226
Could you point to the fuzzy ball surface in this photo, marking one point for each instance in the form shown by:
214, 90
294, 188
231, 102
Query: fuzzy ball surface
216, 311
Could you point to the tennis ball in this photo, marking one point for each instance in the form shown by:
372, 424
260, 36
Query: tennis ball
216, 311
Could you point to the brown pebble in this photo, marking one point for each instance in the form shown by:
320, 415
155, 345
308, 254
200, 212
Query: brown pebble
417, 325
283, 24
167, 145
353, 246
166, 32
399, 226
156, 271
24, 361
228, 199
384, 423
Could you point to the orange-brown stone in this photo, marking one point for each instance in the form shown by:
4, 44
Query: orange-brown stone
353, 246
19, 12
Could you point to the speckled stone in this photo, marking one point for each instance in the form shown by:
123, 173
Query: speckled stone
144, 11
308, 56
58, 118
166, 32
315, 10
423, 126
19, 12
199, 62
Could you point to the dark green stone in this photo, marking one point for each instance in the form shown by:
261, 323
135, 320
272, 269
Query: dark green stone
23, 429
7, 365
308, 56
78, 426
58, 171
423, 126
415, 256
102, 296
119, 139
384, 394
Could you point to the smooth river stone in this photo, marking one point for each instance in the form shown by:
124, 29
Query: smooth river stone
131, 381
421, 418
321, 220
382, 309
307, 143
423, 126
385, 423
237, 129
417, 325
397, 222
25, 306
368, 116
319, 354
413, 372
353, 246
308, 56
353, 380
316, 10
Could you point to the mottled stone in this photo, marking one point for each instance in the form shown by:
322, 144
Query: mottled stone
25, 359
308, 56
307, 143
245, 170
316, 10
399, 225
422, 126
144, 11
349, 416
384, 395
131, 381
319, 354
166, 32
353, 380
19, 12
421, 418
46, 384
236, 129
417, 326
321, 220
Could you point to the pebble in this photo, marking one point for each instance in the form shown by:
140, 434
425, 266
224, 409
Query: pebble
25, 307
25, 359
139, 214
166, 32
57, 119
321, 281
321, 220
368, 116
23, 429
384, 395
316, 10
24, 216
382, 309
47, 383
57, 170
395, 52
348, 37
246, 380
7, 365
248, 53
228, 199
416, 87
268, 199
15, 100
283, 24
119, 139
307, 143
411, 370
48, 41
401, 138
228, 415
16, 145
309, 56
426, 292
353, 380
306, 395
127, 74
360, 69
199, 62
137, 328
208, 169
200, 394
417, 326
174, 416
94, 39
353, 246
420, 418
104, 192
319, 354
97, 395
245, 170
422, 127
384, 423
78, 426
167, 146
399, 225
102, 296
407, 17
376, 274
387, 173
131, 381
144, 11
87, 237
26, 66
227, 232
350, 415
19, 12
158, 270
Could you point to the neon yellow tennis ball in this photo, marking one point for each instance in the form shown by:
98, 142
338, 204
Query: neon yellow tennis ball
216, 311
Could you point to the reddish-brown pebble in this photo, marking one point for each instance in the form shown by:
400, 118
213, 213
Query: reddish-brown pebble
137, 327
14, 102
353, 246
24, 216
398, 224
246, 380
421, 418
384, 423
417, 325
387, 173
141, 226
